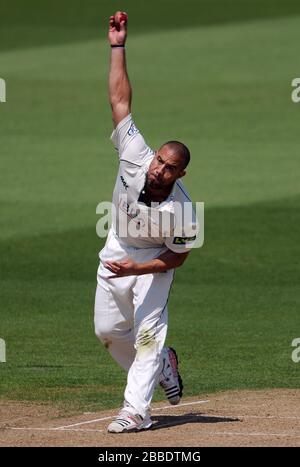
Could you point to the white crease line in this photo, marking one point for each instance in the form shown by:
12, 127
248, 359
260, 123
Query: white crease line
113, 416
84, 423
70, 427
165, 407
180, 405
107, 418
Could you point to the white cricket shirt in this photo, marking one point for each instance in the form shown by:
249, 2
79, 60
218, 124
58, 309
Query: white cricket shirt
137, 229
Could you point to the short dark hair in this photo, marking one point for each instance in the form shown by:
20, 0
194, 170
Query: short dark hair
181, 150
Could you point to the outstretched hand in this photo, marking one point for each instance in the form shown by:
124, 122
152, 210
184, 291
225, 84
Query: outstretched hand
115, 36
123, 268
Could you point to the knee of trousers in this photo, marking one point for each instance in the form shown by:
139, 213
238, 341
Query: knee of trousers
103, 331
108, 332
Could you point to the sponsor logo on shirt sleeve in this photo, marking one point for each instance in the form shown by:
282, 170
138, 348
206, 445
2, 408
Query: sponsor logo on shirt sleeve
132, 130
183, 240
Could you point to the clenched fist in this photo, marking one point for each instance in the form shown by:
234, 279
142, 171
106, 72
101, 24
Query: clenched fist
118, 28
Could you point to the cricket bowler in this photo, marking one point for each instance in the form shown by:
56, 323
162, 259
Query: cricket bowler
147, 241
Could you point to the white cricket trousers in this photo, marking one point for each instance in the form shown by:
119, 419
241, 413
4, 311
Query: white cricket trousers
131, 319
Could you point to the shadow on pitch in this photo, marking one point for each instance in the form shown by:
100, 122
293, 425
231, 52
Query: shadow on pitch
167, 421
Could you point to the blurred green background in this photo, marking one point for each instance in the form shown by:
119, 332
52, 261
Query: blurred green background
214, 74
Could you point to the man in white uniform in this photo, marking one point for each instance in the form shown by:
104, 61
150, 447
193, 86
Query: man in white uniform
148, 239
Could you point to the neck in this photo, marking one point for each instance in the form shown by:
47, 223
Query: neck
158, 194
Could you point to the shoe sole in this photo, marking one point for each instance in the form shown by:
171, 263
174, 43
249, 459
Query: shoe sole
179, 377
131, 430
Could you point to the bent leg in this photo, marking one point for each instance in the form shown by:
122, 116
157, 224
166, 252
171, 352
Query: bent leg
114, 320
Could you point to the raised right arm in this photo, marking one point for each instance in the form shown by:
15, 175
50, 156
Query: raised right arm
120, 92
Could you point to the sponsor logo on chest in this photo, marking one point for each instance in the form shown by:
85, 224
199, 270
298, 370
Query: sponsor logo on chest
125, 185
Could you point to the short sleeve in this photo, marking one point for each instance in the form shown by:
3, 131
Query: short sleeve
186, 231
129, 142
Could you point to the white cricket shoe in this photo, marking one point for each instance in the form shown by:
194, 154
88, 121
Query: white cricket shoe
170, 380
126, 422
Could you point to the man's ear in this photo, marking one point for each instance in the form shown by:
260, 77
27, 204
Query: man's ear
182, 173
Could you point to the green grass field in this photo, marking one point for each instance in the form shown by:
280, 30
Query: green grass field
216, 75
